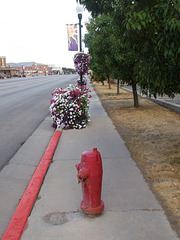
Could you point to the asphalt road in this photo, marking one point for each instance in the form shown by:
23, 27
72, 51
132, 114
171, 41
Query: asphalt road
24, 103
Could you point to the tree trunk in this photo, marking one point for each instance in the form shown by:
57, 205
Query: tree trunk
118, 86
135, 95
109, 82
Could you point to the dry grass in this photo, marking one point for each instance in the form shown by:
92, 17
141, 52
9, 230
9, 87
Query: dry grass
152, 135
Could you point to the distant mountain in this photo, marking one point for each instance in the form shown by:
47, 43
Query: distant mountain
28, 64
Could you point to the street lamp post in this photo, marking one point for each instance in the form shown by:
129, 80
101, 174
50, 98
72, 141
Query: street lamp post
79, 10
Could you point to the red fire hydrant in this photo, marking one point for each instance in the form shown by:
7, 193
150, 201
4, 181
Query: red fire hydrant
90, 175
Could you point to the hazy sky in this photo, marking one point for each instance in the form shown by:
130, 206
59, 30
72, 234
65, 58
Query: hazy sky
35, 30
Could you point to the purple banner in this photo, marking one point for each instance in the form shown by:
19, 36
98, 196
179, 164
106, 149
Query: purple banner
72, 37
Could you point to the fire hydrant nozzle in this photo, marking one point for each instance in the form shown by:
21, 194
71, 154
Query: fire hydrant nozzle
83, 173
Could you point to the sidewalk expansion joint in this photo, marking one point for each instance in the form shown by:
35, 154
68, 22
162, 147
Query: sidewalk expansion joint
138, 209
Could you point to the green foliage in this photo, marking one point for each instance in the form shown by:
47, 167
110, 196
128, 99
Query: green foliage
155, 29
68, 70
137, 41
98, 42
109, 56
97, 7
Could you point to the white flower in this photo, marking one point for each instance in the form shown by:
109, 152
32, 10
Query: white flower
67, 107
62, 125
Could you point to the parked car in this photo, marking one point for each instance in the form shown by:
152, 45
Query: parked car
1, 76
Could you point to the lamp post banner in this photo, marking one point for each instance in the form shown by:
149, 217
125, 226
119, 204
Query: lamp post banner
72, 37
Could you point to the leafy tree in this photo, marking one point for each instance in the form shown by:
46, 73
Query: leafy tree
153, 27
108, 53
68, 70
149, 34
99, 50
97, 7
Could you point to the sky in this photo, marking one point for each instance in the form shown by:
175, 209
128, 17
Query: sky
35, 30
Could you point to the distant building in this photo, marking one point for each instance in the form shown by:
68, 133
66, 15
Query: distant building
34, 70
41, 69
4, 69
23, 71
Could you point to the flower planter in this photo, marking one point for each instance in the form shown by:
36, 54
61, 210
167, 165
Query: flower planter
70, 107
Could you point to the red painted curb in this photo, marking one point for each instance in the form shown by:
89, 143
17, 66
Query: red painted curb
19, 219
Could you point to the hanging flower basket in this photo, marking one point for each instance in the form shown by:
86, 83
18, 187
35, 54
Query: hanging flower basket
69, 107
81, 63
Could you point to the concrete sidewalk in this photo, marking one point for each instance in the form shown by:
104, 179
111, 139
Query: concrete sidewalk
131, 210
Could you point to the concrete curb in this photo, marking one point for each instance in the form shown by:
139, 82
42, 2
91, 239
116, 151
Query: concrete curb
19, 219
173, 106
